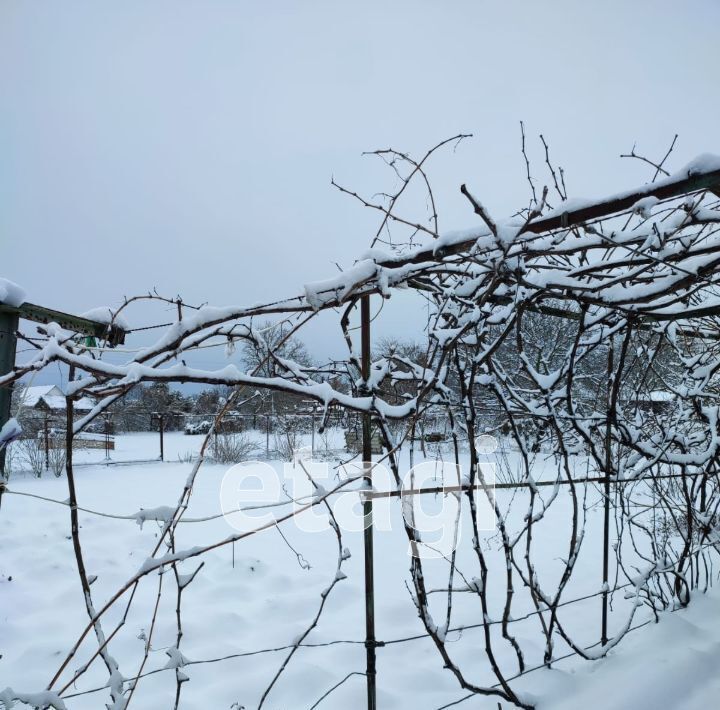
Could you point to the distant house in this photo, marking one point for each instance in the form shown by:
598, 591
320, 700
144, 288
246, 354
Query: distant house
657, 401
50, 399
42, 409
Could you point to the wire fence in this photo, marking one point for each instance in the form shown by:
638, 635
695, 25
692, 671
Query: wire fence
391, 641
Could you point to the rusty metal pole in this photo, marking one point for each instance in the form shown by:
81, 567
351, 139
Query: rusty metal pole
606, 506
370, 642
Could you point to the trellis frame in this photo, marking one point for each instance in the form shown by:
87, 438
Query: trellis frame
666, 189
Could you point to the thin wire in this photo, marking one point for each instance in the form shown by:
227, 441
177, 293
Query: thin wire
149, 327
379, 311
138, 516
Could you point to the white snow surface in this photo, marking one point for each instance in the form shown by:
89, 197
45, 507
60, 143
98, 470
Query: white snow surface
106, 315
163, 513
256, 596
10, 430
319, 292
670, 665
11, 294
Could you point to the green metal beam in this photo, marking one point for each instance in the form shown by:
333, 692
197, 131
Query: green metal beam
39, 314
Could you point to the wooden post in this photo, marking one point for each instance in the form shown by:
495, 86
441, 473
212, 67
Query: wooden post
8, 344
370, 642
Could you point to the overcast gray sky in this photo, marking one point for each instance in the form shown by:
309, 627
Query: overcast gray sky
189, 145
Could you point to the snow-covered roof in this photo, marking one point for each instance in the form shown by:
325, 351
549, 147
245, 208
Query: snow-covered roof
32, 395
661, 396
84, 404
58, 402
52, 397
53, 401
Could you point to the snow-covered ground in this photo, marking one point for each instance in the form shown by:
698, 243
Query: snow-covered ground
670, 665
253, 599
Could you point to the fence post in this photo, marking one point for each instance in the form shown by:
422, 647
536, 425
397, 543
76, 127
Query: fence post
370, 642
106, 417
8, 344
46, 437
312, 440
606, 506
267, 436
160, 417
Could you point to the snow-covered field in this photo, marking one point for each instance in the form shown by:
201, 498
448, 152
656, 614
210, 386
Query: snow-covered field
252, 600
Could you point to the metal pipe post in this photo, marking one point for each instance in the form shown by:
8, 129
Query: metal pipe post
606, 506
370, 642
46, 438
